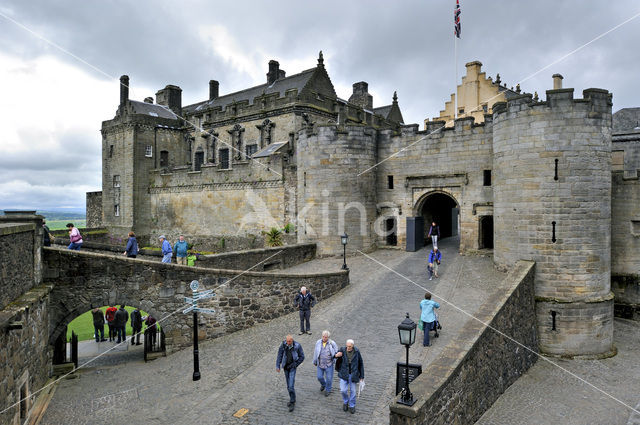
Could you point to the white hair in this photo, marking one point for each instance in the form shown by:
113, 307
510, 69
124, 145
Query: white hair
304, 288
327, 333
350, 341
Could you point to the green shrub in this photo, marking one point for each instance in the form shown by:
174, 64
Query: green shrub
273, 237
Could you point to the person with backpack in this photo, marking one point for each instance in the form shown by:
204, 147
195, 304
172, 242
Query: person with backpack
428, 317
435, 256
110, 315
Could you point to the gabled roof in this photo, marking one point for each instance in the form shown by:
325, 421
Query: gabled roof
626, 120
383, 110
151, 109
296, 81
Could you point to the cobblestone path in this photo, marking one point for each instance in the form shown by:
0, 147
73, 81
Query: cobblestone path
238, 370
547, 395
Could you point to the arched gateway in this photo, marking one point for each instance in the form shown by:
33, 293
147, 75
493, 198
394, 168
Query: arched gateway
442, 208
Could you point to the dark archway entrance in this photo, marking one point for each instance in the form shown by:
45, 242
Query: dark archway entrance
485, 232
390, 230
442, 209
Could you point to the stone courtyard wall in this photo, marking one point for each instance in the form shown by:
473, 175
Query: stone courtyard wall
476, 367
84, 280
16, 260
281, 257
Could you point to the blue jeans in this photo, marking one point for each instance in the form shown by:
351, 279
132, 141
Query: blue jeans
122, 333
290, 376
75, 246
99, 329
427, 326
325, 377
348, 391
166, 258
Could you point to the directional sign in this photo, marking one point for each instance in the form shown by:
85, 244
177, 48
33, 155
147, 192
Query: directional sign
187, 310
194, 285
201, 293
204, 310
205, 296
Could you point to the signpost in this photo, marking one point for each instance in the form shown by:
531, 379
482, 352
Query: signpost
195, 309
401, 374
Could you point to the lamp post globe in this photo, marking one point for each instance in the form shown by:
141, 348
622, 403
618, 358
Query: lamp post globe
344, 239
407, 334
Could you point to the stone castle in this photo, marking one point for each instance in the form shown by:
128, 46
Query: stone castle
554, 181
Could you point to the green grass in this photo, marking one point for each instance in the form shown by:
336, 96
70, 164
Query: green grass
83, 325
61, 224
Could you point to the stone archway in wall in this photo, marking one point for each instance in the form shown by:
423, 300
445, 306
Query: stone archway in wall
441, 207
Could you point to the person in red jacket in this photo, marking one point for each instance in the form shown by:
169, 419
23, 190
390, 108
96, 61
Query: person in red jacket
110, 315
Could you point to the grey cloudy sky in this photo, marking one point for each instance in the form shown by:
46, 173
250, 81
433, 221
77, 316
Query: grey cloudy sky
53, 103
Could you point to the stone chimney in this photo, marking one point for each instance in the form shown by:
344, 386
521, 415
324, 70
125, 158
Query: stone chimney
214, 88
124, 89
170, 96
557, 81
361, 96
274, 72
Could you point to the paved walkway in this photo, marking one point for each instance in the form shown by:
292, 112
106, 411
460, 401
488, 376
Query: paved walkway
238, 370
548, 395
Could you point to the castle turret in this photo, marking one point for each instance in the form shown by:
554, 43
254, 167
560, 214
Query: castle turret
552, 204
170, 96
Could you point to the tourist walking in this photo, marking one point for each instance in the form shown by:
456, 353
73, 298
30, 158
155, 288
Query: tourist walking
434, 232
166, 249
132, 246
323, 358
136, 326
304, 301
110, 315
47, 236
122, 316
98, 324
428, 317
435, 256
351, 372
75, 238
290, 356
181, 247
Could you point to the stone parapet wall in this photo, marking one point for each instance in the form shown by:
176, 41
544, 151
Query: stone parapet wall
476, 367
24, 356
281, 257
83, 280
16, 260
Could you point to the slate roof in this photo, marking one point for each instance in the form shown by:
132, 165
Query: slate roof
626, 120
296, 81
151, 109
383, 110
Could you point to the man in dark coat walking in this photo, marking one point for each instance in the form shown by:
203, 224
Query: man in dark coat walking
304, 301
290, 356
122, 316
136, 325
351, 372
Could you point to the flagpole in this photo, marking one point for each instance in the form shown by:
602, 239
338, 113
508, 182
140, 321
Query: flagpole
455, 85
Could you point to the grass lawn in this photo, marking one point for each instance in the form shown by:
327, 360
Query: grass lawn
62, 224
83, 325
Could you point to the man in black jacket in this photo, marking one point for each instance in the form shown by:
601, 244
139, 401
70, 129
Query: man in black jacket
304, 301
136, 325
350, 369
122, 316
290, 356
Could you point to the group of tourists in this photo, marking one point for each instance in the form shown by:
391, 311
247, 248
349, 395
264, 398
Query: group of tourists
116, 319
181, 248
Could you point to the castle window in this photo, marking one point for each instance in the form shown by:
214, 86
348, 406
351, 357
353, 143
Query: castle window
461, 111
224, 159
250, 150
484, 108
486, 180
164, 158
148, 151
116, 210
199, 160
635, 227
110, 151
116, 181
390, 182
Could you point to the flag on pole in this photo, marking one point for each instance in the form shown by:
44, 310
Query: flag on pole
456, 19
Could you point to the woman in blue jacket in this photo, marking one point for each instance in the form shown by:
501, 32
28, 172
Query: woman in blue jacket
428, 316
132, 246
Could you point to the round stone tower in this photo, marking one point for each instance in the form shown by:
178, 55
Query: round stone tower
332, 197
552, 204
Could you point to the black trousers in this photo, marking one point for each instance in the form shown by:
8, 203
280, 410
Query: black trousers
305, 315
136, 335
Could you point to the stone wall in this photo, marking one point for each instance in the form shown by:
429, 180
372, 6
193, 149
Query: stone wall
281, 257
16, 260
83, 280
476, 367
94, 209
24, 357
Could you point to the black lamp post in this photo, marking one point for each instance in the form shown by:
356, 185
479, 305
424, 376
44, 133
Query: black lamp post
344, 239
407, 333
196, 355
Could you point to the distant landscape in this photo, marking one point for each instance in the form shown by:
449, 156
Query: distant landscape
57, 220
